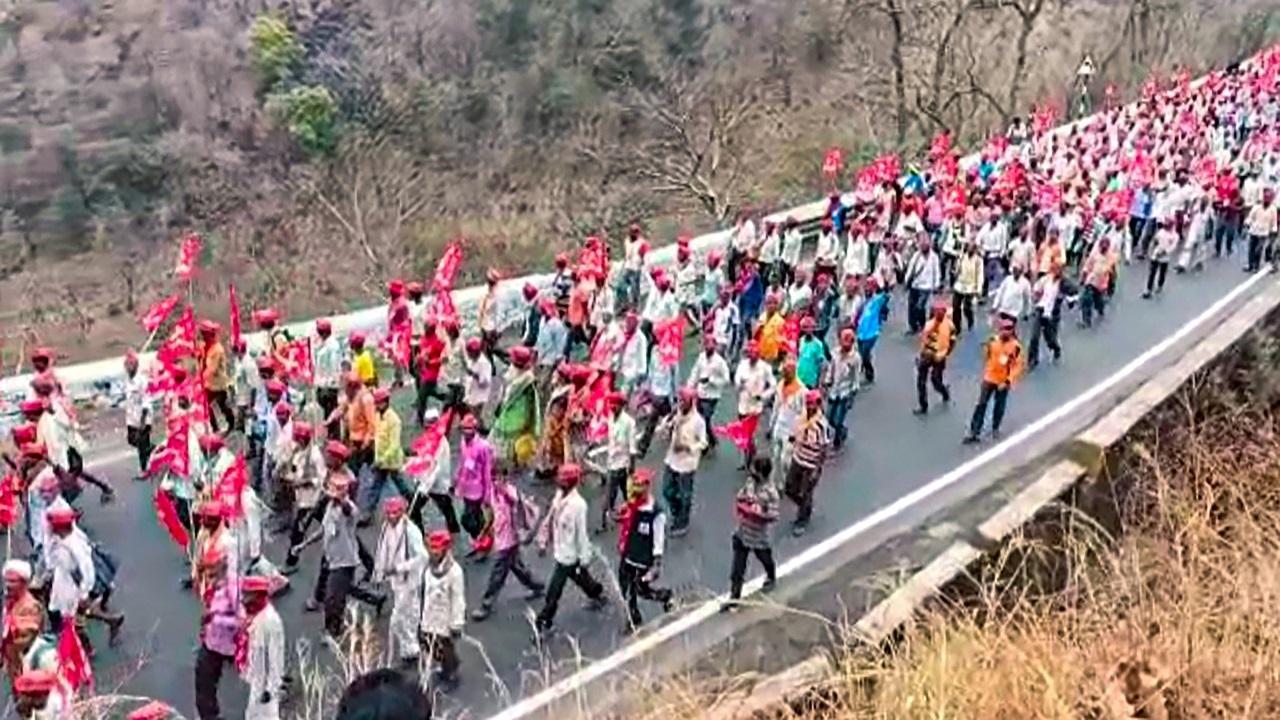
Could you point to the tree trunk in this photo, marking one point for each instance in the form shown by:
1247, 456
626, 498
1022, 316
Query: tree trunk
1028, 17
894, 10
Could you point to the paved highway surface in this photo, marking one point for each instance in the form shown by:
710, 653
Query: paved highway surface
891, 452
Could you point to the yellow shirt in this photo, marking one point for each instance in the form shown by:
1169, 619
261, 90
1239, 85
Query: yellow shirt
771, 337
363, 366
388, 453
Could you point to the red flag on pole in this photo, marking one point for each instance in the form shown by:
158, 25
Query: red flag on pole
73, 665
443, 308
169, 520
739, 432
940, 146
428, 444
447, 268
670, 336
155, 315
9, 486
188, 257
234, 324
230, 487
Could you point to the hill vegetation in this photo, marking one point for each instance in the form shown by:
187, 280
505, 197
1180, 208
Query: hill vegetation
321, 146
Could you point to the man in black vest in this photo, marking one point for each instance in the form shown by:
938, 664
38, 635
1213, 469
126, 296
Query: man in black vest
642, 536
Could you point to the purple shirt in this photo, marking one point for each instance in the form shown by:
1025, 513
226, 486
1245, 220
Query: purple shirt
222, 619
475, 470
505, 502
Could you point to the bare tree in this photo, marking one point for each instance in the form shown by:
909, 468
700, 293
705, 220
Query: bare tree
1028, 12
696, 132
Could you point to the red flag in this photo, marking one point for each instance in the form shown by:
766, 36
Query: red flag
791, 334
173, 456
188, 257
866, 182
447, 268
73, 664
230, 487
941, 146
296, 357
9, 487
396, 345
832, 163
169, 520
443, 308
155, 315
182, 339
1048, 195
428, 444
234, 302
888, 168
1042, 118
739, 432
670, 336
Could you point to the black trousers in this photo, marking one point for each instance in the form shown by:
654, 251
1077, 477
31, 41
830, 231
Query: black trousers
218, 400
508, 562
555, 588
985, 396
801, 482
473, 517
444, 504
1156, 275
917, 309
1094, 301
962, 305
426, 389
1257, 244
209, 668
633, 586
442, 650
327, 399
303, 519
338, 584
1047, 327
75, 465
139, 438
661, 408
739, 570
615, 484
707, 409
930, 370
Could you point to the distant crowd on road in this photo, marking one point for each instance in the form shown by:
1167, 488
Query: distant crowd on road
305, 436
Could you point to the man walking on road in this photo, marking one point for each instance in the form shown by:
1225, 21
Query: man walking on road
398, 562
219, 625
564, 529
513, 517
1003, 365
757, 508
688, 441
842, 386
641, 541
936, 343
809, 445
709, 377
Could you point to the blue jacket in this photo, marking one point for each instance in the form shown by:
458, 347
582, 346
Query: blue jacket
871, 319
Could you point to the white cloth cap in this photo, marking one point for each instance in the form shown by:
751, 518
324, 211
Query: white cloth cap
18, 568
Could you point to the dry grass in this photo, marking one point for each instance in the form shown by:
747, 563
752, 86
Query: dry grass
1168, 608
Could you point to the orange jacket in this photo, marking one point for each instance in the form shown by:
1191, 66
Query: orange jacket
1003, 361
362, 419
937, 339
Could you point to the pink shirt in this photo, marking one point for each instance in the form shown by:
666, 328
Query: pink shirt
505, 500
475, 470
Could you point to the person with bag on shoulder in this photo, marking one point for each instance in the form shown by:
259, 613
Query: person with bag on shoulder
512, 519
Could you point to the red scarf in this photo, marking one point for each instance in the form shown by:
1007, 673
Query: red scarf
626, 521
242, 638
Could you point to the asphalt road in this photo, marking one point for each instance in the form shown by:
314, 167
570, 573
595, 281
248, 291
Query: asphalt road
891, 452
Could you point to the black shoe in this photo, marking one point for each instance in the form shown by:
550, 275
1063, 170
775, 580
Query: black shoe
597, 603
108, 496
481, 613
799, 529
311, 605
729, 606
970, 439
920, 411
769, 585
535, 593
186, 583
1146, 295
114, 626
365, 521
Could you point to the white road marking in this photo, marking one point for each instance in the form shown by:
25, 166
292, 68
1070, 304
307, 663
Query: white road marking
709, 609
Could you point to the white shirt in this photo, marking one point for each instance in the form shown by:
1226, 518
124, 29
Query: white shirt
755, 384
138, 403
1013, 298
328, 362
66, 556
745, 236
567, 525
635, 357
622, 441
444, 600
993, 239
709, 376
857, 256
791, 242
724, 320
265, 670
633, 260
688, 440
660, 306
479, 382
924, 272
1046, 291
827, 249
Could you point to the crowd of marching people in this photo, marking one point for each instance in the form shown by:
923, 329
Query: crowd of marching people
584, 381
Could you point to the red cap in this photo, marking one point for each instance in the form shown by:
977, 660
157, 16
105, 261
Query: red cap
569, 472
562, 260
212, 442
60, 516
440, 540
255, 584
808, 324
713, 258
35, 682
353, 379
277, 387
154, 710
469, 422
283, 410
395, 288
395, 505
474, 345
33, 450
323, 326
301, 431
337, 450
847, 336
530, 291
688, 393
643, 477
356, 339
381, 395
211, 508
31, 407
520, 356
43, 352
266, 363
266, 316
753, 348
23, 434
813, 397
209, 327
683, 252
